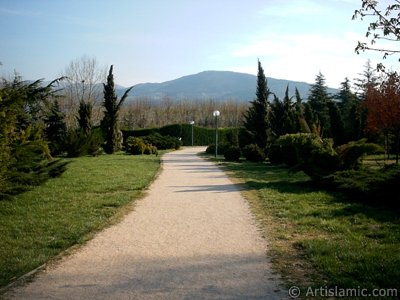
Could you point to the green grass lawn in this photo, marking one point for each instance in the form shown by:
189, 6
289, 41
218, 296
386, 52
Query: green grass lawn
318, 238
94, 192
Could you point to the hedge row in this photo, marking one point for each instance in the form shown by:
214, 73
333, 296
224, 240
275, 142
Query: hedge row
201, 136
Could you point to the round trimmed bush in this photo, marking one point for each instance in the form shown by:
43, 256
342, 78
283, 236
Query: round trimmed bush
222, 147
232, 153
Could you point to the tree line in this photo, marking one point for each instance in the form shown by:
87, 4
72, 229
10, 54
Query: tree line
371, 111
72, 115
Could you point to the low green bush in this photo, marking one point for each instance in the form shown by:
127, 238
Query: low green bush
138, 146
150, 149
79, 143
305, 152
135, 146
232, 153
375, 186
316, 156
162, 142
222, 147
210, 149
253, 153
352, 153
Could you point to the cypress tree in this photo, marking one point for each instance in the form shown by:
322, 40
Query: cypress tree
276, 117
257, 117
111, 105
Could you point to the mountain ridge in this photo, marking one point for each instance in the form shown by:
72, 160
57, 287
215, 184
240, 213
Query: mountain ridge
217, 85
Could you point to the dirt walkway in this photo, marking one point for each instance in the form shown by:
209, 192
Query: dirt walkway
191, 237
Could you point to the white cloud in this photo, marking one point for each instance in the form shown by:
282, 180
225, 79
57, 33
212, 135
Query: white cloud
300, 57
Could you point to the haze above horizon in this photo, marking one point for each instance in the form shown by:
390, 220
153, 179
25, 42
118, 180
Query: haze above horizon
157, 41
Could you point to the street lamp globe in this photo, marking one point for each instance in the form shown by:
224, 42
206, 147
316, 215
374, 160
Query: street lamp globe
216, 113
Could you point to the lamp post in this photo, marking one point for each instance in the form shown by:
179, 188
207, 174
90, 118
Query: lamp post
192, 123
216, 114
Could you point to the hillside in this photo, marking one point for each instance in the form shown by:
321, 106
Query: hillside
218, 85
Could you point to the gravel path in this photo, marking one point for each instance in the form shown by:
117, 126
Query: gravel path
191, 237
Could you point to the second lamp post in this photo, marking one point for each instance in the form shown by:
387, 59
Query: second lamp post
216, 114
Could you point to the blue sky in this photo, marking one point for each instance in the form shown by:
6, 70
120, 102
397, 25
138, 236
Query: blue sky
157, 40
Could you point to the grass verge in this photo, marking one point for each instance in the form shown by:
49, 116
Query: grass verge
94, 192
318, 238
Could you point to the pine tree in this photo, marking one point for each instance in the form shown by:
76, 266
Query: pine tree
367, 78
318, 100
257, 117
348, 104
109, 123
55, 129
24, 162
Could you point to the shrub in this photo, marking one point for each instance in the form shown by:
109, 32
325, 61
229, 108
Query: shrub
135, 145
221, 148
378, 186
162, 142
210, 149
306, 152
149, 149
80, 143
254, 153
76, 143
232, 153
351, 154
138, 146
95, 142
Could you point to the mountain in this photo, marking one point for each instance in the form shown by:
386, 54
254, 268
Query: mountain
218, 85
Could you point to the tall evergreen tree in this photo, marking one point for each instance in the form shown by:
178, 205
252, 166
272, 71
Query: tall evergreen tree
111, 105
85, 117
283, 115
55, 129
257, 117
336, 123
349, 104
276, 117
318, 100
366, 80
